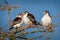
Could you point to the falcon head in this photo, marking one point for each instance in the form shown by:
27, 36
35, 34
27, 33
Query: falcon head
25, 12
46, 12
20, 15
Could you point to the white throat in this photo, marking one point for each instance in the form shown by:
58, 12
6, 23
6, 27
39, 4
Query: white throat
26, 14
25, 19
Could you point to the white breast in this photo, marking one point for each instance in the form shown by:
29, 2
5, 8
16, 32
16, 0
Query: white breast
46, 20
25, 19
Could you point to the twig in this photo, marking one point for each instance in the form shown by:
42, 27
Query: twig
57, 15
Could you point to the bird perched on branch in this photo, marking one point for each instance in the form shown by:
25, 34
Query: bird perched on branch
17, 22
29, 19
46, 20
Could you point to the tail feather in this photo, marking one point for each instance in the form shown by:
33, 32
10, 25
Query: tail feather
38, 23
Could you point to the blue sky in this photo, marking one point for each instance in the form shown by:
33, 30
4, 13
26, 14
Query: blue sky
35, 7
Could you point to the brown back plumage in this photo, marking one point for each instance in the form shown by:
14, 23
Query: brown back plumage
16, 20
32, 18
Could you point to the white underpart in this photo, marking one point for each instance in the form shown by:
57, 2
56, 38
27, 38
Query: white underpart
18, 25
46, 20
25, 19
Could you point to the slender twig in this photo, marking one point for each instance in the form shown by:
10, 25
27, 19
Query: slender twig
57, 15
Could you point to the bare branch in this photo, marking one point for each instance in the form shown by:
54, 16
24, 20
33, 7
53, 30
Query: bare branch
57, 15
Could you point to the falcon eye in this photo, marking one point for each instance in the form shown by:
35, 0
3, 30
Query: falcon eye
24, 13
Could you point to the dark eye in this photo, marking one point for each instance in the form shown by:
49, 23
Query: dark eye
25, 12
